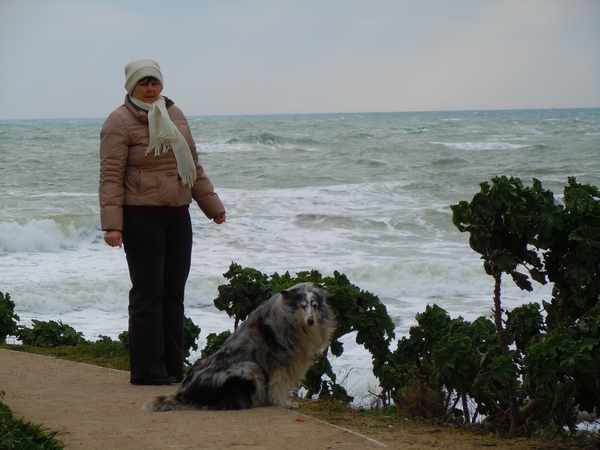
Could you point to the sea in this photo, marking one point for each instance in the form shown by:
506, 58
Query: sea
367, 195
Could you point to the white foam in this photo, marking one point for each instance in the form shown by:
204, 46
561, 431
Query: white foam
45, 235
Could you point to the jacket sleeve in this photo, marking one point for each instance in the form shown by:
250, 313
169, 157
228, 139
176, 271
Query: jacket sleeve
114, 149
203, 191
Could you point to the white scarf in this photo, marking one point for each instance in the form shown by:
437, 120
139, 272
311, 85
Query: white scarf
164, 135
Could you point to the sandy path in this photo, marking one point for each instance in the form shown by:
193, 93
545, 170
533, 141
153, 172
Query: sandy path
93, 408
96, 408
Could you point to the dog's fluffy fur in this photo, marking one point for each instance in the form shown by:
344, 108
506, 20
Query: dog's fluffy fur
263, 359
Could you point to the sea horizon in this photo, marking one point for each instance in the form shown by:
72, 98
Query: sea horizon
326, 113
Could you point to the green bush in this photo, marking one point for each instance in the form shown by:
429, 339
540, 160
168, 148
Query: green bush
247, 289
355, 310
49, 334
8, 318
214, 342
529, 368
17, 434
105, 347
190, 334
124, 339
555, 361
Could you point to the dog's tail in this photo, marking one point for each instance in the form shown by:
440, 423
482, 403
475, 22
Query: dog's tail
164, 403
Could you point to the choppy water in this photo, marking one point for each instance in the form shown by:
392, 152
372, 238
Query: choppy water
368, 195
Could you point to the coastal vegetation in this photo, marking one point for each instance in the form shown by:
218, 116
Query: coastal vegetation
19, 434
548, 358
524, 372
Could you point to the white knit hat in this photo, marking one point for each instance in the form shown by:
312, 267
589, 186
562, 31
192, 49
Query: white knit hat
137, 70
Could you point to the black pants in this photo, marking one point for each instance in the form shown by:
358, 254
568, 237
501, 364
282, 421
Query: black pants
158, 253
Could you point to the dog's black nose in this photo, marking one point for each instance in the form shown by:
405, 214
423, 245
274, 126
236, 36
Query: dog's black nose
311, 321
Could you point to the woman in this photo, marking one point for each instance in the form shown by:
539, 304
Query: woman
149, 174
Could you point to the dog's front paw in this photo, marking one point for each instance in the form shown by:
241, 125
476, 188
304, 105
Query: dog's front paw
291, 405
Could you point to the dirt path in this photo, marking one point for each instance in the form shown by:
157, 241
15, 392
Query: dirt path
96, 408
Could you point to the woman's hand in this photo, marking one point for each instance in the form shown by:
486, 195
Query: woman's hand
220, 218
114, 238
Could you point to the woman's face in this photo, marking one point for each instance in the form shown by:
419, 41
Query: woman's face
147, 90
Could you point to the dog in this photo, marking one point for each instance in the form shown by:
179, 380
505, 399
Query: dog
267, 355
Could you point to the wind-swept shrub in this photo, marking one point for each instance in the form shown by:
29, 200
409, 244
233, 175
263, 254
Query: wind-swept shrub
214, 342
16, 433
247, 289
528, 369
8, 318
439, 363
49, 334
563, 371
356, 311
190, 333
546, 363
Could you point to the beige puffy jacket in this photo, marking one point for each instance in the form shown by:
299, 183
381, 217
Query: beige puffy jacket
129, 177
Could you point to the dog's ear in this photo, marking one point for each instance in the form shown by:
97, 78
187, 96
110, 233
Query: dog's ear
321, 295
290, 296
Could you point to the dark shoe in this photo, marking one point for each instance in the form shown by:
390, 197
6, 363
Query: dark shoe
179, 378
155, 382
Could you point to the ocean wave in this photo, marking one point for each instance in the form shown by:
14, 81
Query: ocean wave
272, 140
371, 162
538, 146
449, 161
361, 135
411, 130
263, 138
481, 145
46, 235
64, 194
460, 285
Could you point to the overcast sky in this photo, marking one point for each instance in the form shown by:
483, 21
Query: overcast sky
65, 58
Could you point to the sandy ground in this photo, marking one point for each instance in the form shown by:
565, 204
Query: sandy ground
96, 408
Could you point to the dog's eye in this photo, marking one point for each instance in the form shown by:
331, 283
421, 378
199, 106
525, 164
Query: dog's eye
314, 305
